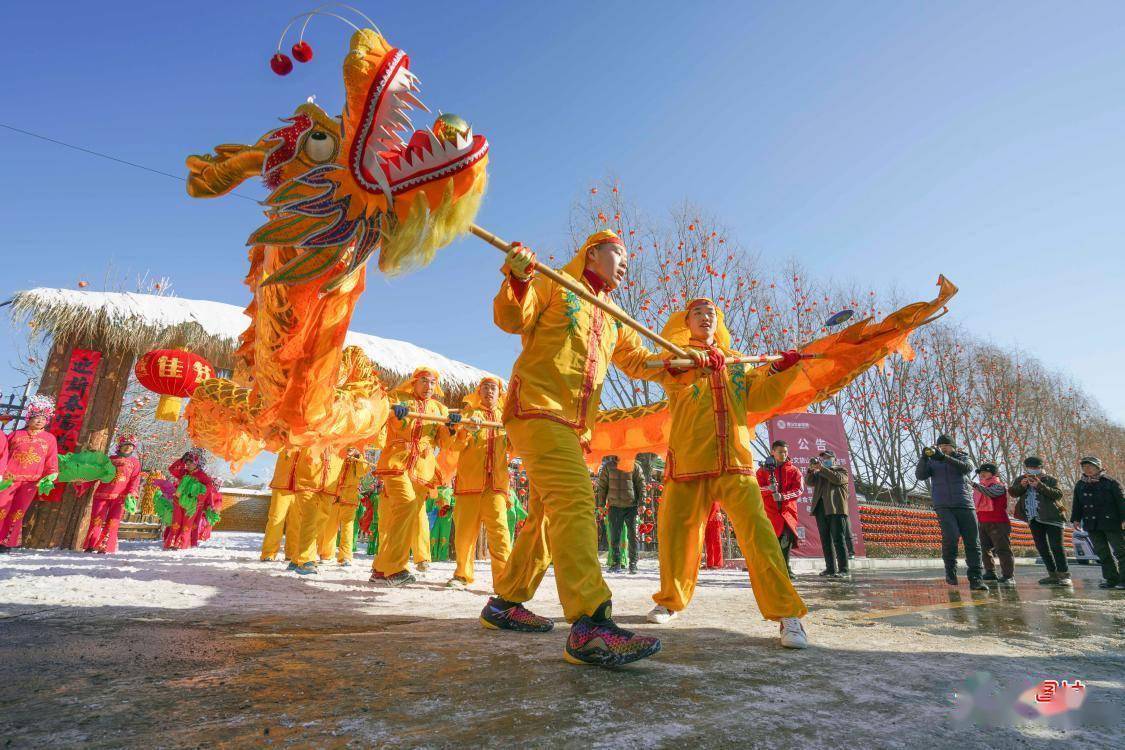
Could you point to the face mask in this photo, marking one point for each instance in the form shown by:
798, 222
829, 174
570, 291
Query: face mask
1035, 472
827, 461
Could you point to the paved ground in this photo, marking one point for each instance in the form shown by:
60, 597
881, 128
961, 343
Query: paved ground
212, 648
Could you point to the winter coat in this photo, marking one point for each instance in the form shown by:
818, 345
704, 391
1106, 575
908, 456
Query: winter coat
1098, 506
991, 500
620, 489
949, 479
1050, 508
830, 490
790, 487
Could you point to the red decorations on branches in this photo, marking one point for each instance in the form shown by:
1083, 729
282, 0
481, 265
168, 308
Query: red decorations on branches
302, 52
281, 64
174, 375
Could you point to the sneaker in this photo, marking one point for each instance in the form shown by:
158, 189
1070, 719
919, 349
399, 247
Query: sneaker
989, 576
793, 633
456, 583
597, 640
1107, 585
1064, 580
613, 569
308, 568
951, 579
292, 566
1007, 581
399, 579
826, 573
344, 563
843, 575
422, 567
977, 585
1121, 585
1048, 580
501, 615
632, 570
661, 615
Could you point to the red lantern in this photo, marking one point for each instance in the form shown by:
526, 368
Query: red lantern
174, 375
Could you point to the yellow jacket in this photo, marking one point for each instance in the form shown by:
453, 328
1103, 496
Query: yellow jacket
305, 470
483, 463
409, 445
568, 345
346, 486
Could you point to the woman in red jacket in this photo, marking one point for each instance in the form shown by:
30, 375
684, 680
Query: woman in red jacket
990, 497
33, 464
782, 486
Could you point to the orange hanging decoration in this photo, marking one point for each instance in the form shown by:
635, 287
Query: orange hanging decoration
173, 375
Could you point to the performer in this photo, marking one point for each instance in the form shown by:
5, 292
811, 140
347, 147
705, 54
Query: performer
408, 467
713, 537
552, 401
781, 485
709, 458
481, 484
420, 546
194, 488
297, 471
33, 465
342, 511
313, 502
206, 513
110, 497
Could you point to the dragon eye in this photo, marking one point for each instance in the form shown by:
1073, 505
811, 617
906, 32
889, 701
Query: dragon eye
320, 146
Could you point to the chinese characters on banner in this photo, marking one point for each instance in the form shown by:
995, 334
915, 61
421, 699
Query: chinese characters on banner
808, 435
74, 396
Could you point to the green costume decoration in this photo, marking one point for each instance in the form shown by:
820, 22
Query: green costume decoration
212, 516
132, 504
516, 513
163, 507
440, 513
47, 484
5, 483
373, 543
86, 466
188, 493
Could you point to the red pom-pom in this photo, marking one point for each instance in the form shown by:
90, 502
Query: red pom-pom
302, 52
281, 64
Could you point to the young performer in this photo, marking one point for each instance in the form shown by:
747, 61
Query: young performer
342, 512
709, 458
481, 485
553, 396
109, 498
195, 491
408, 467
33, 464
298, 472
781, 485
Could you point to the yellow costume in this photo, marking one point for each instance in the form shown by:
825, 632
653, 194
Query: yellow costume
552, 401
408, 468
341, 513
299, 472
709, 459
481, 487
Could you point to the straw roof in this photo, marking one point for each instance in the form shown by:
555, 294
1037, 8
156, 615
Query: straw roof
135, 323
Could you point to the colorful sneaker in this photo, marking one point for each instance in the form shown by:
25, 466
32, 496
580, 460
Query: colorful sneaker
661, 615
292, 566
597, 640
793, 633
457, 583
399, 579
422, 567
307, 569
501, 615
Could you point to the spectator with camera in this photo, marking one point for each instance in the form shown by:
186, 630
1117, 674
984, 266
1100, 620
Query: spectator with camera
1039, 502
781, 486
1099, 509
990, 496
947, 470
829, 481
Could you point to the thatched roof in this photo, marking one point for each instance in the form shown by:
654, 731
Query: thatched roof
136, 323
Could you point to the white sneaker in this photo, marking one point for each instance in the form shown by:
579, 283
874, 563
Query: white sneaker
661, 615
793, 633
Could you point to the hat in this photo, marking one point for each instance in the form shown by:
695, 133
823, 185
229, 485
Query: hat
1092, 460
944, 439
1033, 462
989, 467
126, 438
193, 454
39, 406
827, 454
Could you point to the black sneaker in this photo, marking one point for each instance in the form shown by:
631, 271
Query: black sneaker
826, 573
1007, 581
398, 580
1049, 580
977, 585
951, 579
501, 615
989, 576
1107, 585
632, 570
597, 640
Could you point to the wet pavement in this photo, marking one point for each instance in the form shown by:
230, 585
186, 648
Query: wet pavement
899, 659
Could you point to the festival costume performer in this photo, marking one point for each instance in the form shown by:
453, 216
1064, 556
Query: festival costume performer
713, 537
194, 489
110, 498
33, 465
781, 485
408, 467
342, 512
420, 551
481, 485
568, 345
313, 501
297, 470
709, 458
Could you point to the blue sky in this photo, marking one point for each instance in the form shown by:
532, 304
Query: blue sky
884, 142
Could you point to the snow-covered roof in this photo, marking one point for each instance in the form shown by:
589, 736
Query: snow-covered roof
139, 322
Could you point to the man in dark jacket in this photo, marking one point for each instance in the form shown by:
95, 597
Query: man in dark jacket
947, 470
1039, 502
829, 481
621, 491
1100, 509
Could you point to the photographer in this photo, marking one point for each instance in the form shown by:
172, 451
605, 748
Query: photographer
781, 486
830, 507
947, 470
991, 498
1040, 504
1100, 509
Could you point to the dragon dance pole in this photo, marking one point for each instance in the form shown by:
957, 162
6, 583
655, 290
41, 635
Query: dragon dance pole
462, 423
578, 289
753, 359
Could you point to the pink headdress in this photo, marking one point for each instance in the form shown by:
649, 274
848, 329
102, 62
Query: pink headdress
39, 406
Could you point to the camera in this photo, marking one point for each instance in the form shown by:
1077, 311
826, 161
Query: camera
770, 462
929, 451
814, 461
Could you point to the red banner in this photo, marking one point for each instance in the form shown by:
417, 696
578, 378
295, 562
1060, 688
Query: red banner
808, 435
74, 397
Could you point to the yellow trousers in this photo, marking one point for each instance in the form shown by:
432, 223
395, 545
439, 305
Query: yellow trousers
314, 515
469, 512
340, 521
560, 520
402, 509
680, 524
280, 520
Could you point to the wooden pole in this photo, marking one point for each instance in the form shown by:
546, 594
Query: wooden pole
685, 364
580, 290
462, 423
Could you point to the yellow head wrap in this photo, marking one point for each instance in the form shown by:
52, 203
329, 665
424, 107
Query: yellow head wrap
577, 266
676, 329
473, 400
405, 389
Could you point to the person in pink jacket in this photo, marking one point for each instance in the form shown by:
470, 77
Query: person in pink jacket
110, 497
33, 463
184, 532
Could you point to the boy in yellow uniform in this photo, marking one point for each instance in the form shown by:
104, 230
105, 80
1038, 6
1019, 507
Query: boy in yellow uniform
408, 467
341, 513
709, 459
553, 396
481, 484
301, 479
